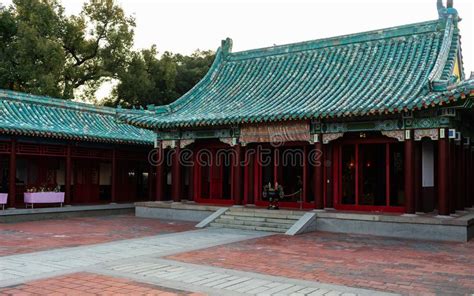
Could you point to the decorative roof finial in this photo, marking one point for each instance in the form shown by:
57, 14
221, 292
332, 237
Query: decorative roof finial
226, 46
439, 5
441, 8
444, 11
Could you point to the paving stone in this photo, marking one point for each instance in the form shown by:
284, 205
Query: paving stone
289, 290
258, 290
319, 292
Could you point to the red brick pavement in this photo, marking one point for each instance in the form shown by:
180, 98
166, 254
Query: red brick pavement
26, 237
89, 284
386, 264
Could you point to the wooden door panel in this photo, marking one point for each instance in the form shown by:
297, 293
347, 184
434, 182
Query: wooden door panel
86, 182
127, 182
216, 180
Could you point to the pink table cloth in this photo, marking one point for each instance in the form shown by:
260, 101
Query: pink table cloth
3, 199
44, 197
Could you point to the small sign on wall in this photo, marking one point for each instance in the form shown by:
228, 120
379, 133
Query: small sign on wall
467, 141
452, 133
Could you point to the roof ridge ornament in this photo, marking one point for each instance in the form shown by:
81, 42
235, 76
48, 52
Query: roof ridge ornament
445, 11
226, 46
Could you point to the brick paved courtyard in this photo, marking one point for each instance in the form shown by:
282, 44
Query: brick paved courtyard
114, 255
384, 264
88, 284
27, 237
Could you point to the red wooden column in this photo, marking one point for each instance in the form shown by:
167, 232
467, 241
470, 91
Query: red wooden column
196, 175
68, 177
328, 175
418, 178
237, 175
452, 167
12, 176
468, 177
409, 173
303, 194
459, 175
471, 183
113, 190
191, 195
160, 171
443, 151
318, 176
176, 174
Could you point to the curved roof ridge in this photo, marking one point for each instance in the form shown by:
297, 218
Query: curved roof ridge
53, 102
373, 35
188, 96
444, 51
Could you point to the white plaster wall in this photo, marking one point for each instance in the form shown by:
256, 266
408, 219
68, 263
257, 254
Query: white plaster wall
427, 160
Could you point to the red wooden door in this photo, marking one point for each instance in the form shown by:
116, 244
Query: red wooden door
86, 182
127, 181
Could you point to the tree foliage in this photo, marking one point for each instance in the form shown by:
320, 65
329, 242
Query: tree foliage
31, 57
149, 79
44, 51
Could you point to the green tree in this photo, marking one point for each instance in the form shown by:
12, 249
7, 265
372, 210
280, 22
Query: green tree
192, 68
45, 52
149, 79
32, 58
97, 44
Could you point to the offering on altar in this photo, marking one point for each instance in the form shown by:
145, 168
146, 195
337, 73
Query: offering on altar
274, 194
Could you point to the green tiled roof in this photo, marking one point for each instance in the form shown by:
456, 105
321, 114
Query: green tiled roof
384, 71
24, 114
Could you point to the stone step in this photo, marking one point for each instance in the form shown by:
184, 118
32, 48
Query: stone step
247, 227
262, 210
274, 215
252, 223
259, 219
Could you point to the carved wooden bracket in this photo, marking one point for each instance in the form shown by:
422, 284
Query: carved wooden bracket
399, 135
331, 137
426, 133
184, 143
229, 141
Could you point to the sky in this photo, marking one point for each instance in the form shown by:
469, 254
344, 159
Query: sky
182, 26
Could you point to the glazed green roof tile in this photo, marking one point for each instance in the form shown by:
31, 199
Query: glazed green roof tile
29, 115
384, 71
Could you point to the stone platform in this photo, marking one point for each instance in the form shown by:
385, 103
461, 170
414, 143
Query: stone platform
185, 211
18, 215
459, 227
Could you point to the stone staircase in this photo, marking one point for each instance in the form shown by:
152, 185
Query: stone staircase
257, 219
